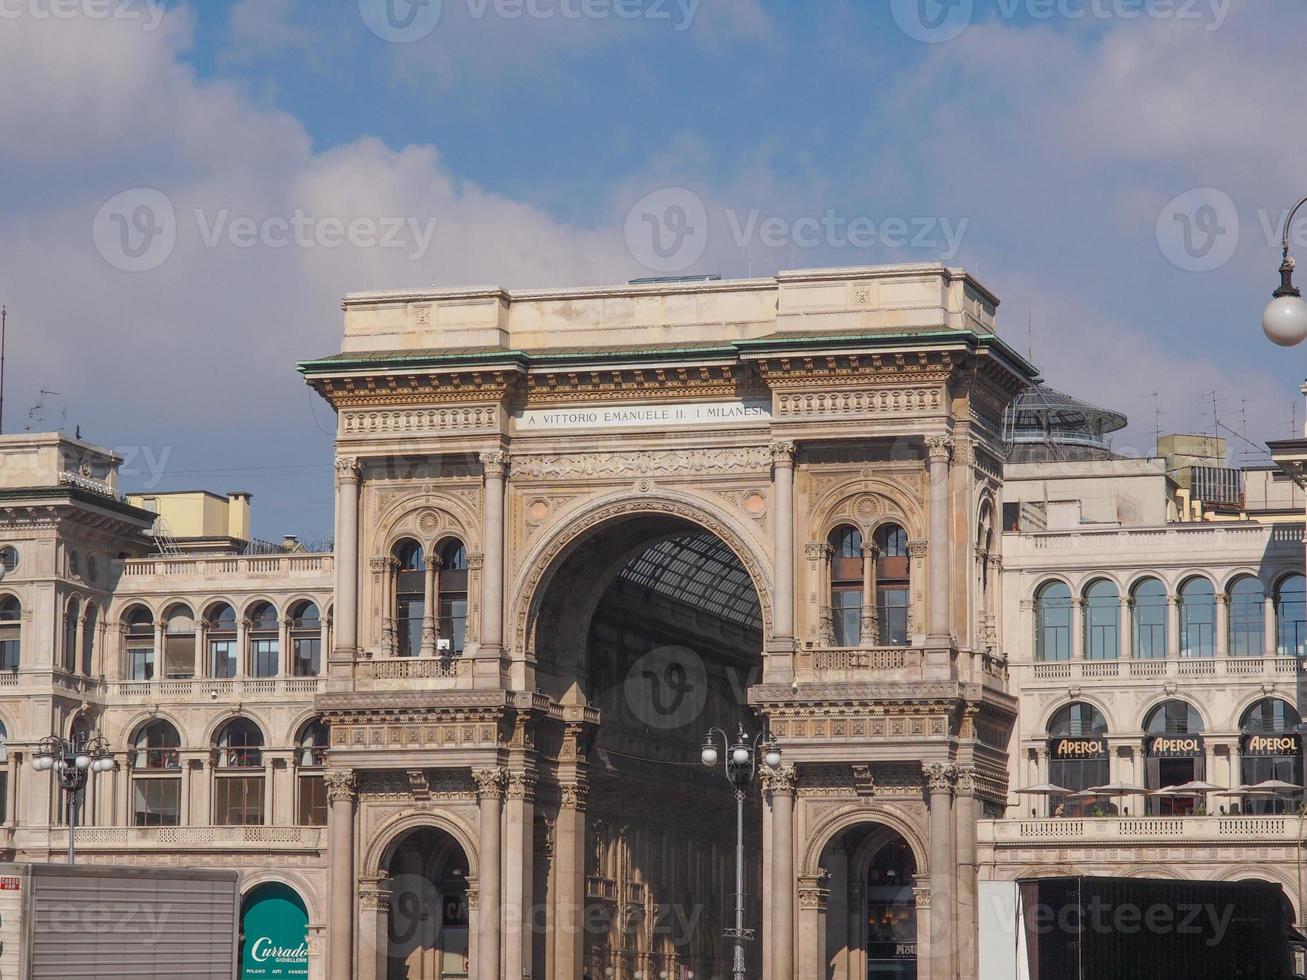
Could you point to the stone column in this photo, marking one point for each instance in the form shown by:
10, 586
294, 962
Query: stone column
82, 640
160, 648
430, 598
519, 873
1172, 626
347, 562
1271, 638
569, 875
968, 865
374, 919
939, 450
1222, 644
490, 796
1078, 628
814, 898
11, 788
494, 465
242, 647
341, 786
870, 612
939, 781
201, 641
269, 789
1125, 628
837, 913
783, 539
285, 655
779, 786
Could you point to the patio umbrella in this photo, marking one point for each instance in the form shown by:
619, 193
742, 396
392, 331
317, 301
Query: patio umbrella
1240, 790
1276, 786
1119, 789
1200, 787
1045, 789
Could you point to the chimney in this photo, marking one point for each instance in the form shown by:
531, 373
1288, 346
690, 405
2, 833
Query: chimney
238, 515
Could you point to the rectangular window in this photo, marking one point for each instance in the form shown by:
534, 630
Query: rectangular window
1150, 632
238, 800
308, 656
409, 625
264, 653
846, 616
140, 663
222, 658
1247, 636
157, 801
893, 614
453, 622
312, 810
9, 647
179, 656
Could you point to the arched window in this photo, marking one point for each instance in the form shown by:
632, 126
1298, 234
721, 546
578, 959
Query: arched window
306, 639
410, 597
1102, 621
311, 757
1291, 616
238, 782
1148, 619
265, 641
846, 585
220, 621
1197, 618
4, 773
71, 613
451, 586
1247, 610
140, 643
156, 775
1053, 622
1174, 743
1270, 748
179, 642
1077, 757
11, 633
893, 585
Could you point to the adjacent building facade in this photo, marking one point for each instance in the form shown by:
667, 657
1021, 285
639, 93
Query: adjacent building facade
576, 529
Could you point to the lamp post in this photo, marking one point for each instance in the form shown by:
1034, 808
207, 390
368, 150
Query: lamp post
1285, 318
740, 765
73, 760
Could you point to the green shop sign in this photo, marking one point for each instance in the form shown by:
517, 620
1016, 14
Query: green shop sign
274, 934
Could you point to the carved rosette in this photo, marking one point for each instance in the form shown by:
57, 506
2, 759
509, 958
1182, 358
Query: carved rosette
347, 470
342, 784
939, 776
939, 449
494, 464
490, 783
781, 780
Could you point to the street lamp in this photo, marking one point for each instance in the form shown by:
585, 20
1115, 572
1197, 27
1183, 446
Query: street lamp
740, 765
73, 760
1285, 318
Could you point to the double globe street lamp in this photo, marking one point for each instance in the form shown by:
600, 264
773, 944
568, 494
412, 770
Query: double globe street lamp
72, 760
740, 765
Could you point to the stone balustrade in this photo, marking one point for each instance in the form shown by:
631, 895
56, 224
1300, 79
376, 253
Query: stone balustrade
239, 566
1059, 670
204, 689
201, 838
1117, 830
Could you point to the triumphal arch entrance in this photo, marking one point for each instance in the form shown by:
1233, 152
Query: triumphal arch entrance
575, 530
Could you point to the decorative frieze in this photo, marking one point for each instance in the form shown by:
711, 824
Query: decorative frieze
878, 401
623, 465
473, 418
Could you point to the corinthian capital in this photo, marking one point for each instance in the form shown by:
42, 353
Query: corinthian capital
780, 780
940, 777
966, 780
495, 463
342, 784
347, 469
782, 452
490, 782
939, 449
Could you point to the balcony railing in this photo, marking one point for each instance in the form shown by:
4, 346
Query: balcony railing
206, 566
1059, 670
181, 838
210, 689
1118, 830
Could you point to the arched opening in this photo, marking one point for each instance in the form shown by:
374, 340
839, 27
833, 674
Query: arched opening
179, 642
72, 612
1291, 615
265, 640
1247, 611
155, 763
1270, 751
871, 916
306, 639
846, 585
310, 759
1174, 745
410, 596
1102, 621
1197, 618
427, 928
274, 933
1053, 622
238, 782
1148, 619
893, 584
1077, 758
139, 627
451, 598
656, 622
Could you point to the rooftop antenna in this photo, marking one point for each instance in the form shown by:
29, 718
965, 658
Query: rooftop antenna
1157, 420
1030, 333
37, 412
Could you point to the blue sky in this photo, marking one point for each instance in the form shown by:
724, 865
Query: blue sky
1113, 169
